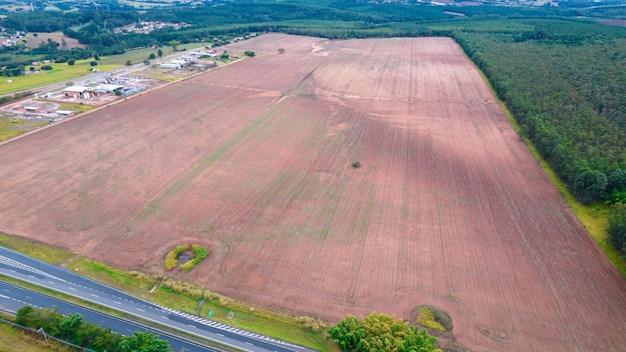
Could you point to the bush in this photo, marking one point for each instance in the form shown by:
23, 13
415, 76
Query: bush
433, 318
46, 68
93, 63
199, 253
71, 62
249, 53
356, 164
171, 258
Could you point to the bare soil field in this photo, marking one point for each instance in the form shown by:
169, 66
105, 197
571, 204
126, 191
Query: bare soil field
254, 161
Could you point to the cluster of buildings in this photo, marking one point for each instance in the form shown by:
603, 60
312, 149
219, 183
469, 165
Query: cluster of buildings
182, 61
82, 92
9, 39
147, 27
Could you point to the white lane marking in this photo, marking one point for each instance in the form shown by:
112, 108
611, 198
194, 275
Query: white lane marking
193, 326
71, 288
141, 310
116, 302
94, 295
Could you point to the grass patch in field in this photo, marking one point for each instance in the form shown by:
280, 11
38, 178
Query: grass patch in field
433, 318
10, 128
76, 108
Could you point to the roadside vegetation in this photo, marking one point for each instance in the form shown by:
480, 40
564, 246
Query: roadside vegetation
15, 339
184, 296
74, 330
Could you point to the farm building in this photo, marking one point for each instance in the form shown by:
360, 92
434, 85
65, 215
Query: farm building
64, 113
171, 65
77, 92
32, 109
107, 88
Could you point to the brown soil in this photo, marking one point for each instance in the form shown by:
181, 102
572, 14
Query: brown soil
253, 160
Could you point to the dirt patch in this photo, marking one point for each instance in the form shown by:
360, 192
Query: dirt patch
448, 208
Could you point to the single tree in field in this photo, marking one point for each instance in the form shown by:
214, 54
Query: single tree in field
160, 53
174, 44
281, 50
152, 56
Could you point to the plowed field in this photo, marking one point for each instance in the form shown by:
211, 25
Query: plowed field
254, 160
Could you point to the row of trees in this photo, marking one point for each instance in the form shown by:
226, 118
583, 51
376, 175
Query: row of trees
73, 329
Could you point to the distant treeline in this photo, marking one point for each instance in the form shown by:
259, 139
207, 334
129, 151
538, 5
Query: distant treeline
338, 19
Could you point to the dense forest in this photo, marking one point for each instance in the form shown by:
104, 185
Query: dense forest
563, 78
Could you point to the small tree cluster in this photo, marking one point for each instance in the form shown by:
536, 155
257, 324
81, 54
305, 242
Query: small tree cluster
249, 53
380, 332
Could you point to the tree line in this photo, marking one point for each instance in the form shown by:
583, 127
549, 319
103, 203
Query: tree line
73, 329
564, 83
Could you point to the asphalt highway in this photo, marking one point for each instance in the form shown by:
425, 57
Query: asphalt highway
12, 298
28, 269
